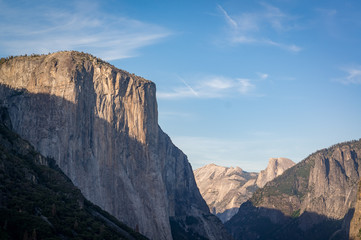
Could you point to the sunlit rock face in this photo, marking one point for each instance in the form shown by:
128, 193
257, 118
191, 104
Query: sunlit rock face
355, 224
100, 125
276, 166
226, 188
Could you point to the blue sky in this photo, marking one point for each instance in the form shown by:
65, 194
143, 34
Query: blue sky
237, 82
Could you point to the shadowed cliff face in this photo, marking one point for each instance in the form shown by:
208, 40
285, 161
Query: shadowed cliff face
324, 184
265, 223
100, 125
37, 200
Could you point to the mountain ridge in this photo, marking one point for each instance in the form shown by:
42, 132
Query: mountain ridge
317, 195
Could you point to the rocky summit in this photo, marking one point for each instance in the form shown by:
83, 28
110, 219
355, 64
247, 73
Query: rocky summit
226, 188
100, 124
315, 199
275, 167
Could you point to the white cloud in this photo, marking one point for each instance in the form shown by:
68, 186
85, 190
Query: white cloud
219, 83
250, 27
209, 87
289, 47
263, 75
353, 75
275, 17
81, 26
245, 85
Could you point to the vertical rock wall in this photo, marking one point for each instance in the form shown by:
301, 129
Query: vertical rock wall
100, 124
355, 225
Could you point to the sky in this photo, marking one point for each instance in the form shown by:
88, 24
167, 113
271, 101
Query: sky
238, 81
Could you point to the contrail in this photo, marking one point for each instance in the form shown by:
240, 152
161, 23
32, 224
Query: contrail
189, 87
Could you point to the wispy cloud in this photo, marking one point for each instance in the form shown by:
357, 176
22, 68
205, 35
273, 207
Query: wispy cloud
263, 75
353, 75
210, 87
289, 47
251, 27
245, 85
81, 26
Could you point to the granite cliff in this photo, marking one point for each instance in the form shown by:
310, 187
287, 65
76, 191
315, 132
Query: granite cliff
225, 189
314, 199
100, 125
355, 224
37, 200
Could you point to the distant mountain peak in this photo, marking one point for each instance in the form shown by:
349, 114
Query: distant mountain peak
224, 188
276, 166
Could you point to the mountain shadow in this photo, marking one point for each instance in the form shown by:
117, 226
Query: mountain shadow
227, 214
38, 201
271, 224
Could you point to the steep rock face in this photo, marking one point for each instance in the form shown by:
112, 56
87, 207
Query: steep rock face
276, 166
312, 200
355, 225
37, 200
224, 189
100, 125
